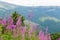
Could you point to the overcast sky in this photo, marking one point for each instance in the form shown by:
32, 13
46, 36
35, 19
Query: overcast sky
34, 2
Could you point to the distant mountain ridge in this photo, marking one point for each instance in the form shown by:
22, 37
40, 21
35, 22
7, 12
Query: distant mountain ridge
6, 10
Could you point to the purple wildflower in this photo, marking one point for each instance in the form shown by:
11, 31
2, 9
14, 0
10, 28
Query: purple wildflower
10, 21
11, 26
30, 15
46, 29
4, 22
49, 37
19, 22
41, 35
23, 29
30, 32
58, 38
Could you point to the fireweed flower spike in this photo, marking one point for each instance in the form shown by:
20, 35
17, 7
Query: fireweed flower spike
49, 37
4, 22
46, 30
30, 32
19, 22
41, 35
23, 30
10, 21
46, 33
11, 26
58, 38
30, 15
35, 27
0, 21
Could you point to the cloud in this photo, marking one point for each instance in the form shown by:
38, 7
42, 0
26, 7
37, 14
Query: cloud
43, 19
34, 2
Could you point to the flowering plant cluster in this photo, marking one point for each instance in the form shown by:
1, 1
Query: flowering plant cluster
10, 30
19, 32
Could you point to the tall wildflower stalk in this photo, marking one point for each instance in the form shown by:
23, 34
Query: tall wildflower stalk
19, 32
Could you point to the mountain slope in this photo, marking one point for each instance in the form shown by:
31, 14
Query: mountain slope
6, 10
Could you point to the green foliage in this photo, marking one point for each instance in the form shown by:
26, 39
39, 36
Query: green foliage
23, 18
17, 38
55, 36
7, 37
1, 29
15, 15
26, 36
